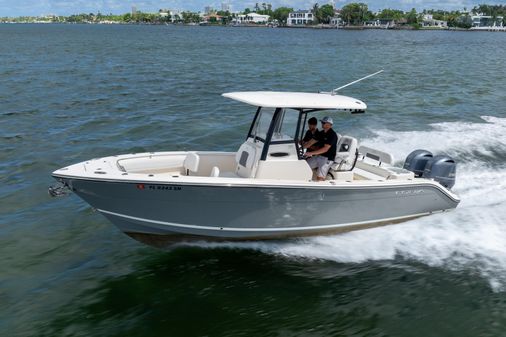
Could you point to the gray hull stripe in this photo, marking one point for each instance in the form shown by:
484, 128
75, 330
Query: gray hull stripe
282, 229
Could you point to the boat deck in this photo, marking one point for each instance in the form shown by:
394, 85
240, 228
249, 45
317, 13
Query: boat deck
170, 165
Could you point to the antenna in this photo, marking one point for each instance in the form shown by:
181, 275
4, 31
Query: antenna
333, 92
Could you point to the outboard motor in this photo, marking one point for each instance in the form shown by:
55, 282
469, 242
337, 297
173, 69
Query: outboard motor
416, 161
442, 169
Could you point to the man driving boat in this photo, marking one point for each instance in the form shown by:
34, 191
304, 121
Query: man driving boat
323, 157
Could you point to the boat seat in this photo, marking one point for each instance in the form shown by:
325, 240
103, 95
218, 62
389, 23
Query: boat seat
346, 154
371, 165
375, 157
385, 172
361, 174
191, 162
247, 160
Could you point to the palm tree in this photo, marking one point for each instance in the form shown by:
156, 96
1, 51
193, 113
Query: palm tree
316, 13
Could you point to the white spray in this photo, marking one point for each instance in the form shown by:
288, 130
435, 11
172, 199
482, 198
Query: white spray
472, 237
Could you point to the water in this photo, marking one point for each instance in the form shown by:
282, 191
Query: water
74, 92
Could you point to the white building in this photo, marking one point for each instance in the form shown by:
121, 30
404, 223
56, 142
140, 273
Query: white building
429, 22
336, 21
300, 18
175, 15
487, 22
251, 18
381, 23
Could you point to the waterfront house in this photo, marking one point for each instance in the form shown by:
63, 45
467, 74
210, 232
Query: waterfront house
380, 23
487, 22
429, 22
173, 15
336, 21
211, 18
300, 18
250, 18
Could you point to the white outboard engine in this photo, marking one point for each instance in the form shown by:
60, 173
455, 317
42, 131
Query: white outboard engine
416, 161
442, 169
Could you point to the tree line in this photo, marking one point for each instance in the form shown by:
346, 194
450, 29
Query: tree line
358, 13
350, 14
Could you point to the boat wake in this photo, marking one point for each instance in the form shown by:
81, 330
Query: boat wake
472, 237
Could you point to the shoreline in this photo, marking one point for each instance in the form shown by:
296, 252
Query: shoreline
316, 27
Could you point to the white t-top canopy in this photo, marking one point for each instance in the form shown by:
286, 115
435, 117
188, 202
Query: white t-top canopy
297, 100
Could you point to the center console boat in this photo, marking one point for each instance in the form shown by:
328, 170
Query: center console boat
265, 189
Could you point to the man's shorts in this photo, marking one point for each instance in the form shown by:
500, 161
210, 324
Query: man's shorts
322, 163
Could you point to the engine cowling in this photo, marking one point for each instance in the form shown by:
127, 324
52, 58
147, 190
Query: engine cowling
442, 169
416, 161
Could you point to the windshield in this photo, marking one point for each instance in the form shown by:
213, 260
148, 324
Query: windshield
262, 123
285, 126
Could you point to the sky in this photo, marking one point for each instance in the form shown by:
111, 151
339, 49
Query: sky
13, 8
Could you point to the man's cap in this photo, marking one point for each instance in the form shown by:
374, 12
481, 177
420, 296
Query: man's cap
312, 121
327, 119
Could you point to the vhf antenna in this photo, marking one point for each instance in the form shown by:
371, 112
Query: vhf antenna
333, 92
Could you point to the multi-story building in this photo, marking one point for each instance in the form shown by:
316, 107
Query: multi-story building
225, 7
300, 18
486, 22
